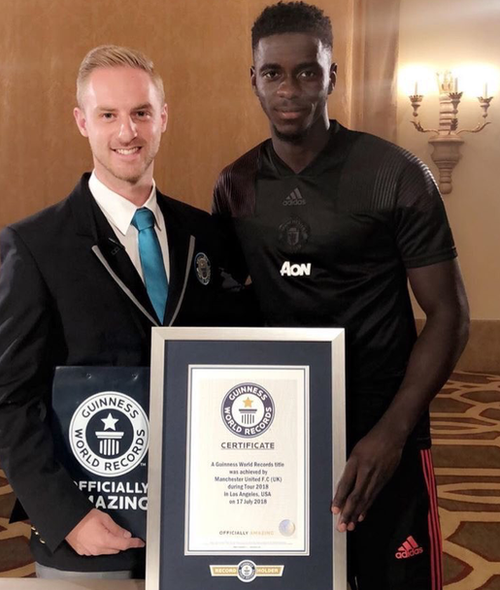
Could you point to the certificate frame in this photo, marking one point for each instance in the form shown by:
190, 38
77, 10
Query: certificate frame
174, 352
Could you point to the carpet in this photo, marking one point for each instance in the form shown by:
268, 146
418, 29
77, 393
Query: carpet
465, 419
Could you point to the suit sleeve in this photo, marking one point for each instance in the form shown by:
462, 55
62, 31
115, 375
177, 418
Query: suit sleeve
46, 491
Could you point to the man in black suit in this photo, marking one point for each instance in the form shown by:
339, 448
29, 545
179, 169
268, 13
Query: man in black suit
75, 289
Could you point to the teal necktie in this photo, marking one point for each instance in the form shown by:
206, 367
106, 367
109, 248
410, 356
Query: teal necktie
152, 264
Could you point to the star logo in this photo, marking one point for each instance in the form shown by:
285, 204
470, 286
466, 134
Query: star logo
248, 402
109, 422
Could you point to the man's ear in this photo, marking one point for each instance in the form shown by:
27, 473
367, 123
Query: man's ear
333, 78
164, 118
81, 121
253, 79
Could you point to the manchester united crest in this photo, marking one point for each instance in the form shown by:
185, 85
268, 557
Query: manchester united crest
294, 234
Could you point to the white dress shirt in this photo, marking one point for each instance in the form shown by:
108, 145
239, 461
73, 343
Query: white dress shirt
120, 211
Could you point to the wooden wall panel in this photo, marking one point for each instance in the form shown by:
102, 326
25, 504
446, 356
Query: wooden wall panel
202, 49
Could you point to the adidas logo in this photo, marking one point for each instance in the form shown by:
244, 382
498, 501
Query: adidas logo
409, 548
294, 198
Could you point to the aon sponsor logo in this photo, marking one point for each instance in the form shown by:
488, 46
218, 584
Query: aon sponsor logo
295, 270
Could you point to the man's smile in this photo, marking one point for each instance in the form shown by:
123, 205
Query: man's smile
127, 151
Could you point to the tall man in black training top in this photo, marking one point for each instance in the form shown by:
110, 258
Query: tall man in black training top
332, 223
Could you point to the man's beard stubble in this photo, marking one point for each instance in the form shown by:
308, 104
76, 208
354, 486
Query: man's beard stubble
129, 178
292, 138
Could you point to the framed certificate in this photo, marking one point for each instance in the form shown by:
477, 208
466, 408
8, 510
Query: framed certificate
247, 443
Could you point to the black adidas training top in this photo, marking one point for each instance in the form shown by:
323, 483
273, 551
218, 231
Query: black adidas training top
329, 247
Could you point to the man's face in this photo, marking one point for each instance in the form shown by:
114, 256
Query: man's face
123, 117
292, 76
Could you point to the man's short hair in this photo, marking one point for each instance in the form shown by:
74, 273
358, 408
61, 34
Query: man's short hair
114, 56
292, 17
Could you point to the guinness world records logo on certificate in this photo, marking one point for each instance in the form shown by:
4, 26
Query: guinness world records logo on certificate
247, 431
248, 410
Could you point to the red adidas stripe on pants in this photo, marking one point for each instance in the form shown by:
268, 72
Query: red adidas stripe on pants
433, 521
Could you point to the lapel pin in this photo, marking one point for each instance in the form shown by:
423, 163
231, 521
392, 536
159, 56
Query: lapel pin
203, 268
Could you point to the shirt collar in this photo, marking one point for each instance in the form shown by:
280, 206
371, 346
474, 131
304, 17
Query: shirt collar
118, 210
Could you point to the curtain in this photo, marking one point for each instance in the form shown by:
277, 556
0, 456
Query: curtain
366, 47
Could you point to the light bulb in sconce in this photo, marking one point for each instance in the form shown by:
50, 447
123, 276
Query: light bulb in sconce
485, 99
478, 79
416, 79
416, 100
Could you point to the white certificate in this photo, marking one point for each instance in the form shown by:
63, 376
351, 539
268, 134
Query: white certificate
247, 468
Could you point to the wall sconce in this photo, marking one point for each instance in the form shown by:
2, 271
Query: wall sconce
447, 141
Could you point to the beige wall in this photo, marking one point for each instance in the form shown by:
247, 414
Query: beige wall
201, 48
444, 34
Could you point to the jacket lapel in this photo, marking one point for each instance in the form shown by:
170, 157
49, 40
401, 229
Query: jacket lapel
113, 257
108, 249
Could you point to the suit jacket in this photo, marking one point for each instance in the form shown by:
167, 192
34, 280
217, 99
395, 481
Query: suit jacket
69, 295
